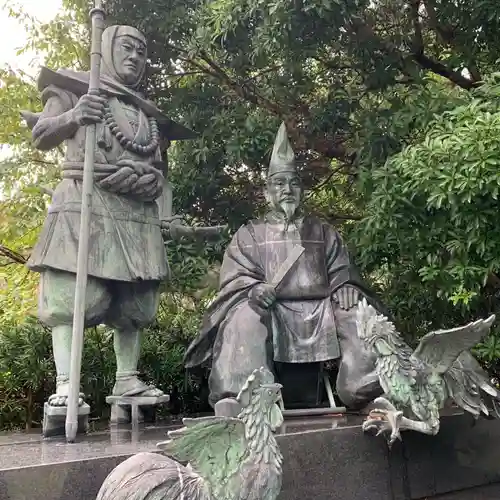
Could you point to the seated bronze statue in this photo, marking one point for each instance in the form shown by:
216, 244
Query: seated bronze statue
288, 295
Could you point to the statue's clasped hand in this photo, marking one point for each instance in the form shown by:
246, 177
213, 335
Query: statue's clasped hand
347, 297
89, 109
263, 296
136, 178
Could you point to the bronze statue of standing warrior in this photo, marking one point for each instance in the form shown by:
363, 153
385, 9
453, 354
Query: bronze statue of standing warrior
127, 259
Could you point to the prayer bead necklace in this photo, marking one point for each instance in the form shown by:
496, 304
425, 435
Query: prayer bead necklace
131, 145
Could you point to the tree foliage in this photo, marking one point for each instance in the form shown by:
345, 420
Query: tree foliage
334, 71
371, 93
26, 173
432, 218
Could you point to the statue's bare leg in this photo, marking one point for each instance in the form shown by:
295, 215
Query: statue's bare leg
127, 346
56, 303
134, 307
61, 344
386, 419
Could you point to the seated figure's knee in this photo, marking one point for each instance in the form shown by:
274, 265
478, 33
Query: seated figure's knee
57, 297
357, 381
356, 394
236, 354
220, 387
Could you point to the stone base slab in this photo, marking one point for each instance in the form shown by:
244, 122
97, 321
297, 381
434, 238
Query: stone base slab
327, 458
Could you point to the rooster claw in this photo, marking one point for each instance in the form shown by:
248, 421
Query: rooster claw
385, 421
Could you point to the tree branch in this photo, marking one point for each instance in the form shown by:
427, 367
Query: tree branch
448, 36
366, 32
418, 52
242, 91
418, 41
328, 147
445, 33
184, 73
440, 69
210, 67
343, 217
203, 69
12, 255
493, 280
262, 73
42, 162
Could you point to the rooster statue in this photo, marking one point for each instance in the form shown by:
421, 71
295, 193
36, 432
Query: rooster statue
417, 384
227, 458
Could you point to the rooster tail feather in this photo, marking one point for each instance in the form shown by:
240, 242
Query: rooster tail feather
151, 476
477, 375
461, 393
469, 386
495, 405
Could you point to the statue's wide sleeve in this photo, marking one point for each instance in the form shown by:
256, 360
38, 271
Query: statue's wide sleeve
240, 271
65, 100
53, 125
241, 267
342, 270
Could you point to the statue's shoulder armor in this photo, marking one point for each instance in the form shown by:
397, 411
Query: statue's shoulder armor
67, 97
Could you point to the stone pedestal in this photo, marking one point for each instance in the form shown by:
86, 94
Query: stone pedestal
54, 420
324, 459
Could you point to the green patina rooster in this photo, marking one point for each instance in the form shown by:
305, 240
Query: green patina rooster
418, 383
227, 458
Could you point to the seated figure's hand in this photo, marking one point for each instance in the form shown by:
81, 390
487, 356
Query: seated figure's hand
263, 295
347, 297
89, 109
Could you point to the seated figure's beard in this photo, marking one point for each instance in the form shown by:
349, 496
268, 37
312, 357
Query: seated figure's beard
289, 210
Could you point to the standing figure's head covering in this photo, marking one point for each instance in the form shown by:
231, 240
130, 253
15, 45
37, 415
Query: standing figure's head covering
282, 157
109, 37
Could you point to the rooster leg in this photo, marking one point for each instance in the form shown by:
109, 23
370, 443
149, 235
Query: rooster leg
385, 419
418, 426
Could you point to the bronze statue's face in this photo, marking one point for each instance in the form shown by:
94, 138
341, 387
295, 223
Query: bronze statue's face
284, 193
129, 59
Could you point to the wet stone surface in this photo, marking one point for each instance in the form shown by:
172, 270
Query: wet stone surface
326, 458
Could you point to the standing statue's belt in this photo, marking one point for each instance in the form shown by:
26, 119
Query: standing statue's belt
74, 170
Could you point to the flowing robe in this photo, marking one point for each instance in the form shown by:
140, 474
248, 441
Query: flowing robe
302, 323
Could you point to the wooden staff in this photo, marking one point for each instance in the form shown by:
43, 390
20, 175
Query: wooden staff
97, 18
